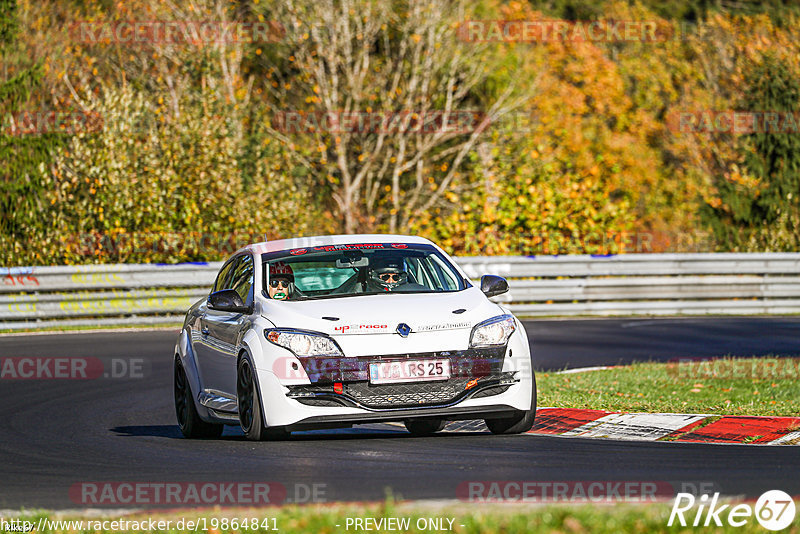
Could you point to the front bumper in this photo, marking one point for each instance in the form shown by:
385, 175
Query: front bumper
316, 422
473, 372
392, 397
484, 383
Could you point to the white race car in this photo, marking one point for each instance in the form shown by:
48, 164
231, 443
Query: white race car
332, 331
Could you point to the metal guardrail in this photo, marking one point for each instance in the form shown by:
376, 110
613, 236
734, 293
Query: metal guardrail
103, 295
632, 284
647, 284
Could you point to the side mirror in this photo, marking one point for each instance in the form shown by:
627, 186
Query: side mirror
227, 300
492, 285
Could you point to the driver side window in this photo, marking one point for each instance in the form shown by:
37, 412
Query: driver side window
241, 279
222, 277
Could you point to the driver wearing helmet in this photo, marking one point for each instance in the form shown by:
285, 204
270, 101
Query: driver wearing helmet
281, 281
387, 274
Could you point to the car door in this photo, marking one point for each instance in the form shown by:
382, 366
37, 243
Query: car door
205, 344
225, 329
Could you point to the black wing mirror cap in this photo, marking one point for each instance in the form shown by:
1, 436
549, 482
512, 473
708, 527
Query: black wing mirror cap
492, 285
227, 300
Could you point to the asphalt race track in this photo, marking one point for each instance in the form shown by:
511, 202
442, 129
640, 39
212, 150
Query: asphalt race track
59, 433
559, 344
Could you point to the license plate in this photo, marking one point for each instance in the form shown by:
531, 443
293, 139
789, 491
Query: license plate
408, 371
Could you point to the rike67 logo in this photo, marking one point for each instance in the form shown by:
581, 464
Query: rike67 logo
774, 510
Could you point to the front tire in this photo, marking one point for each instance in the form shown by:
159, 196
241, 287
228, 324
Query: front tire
424, 427
517, 424
251, 417
188, 419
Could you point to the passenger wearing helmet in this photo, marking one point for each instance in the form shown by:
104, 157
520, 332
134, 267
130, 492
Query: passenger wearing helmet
281, 281
387, 274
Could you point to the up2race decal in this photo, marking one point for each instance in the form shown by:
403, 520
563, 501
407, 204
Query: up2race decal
362, 328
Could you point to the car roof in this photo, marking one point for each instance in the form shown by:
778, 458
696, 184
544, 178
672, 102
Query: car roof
317, 241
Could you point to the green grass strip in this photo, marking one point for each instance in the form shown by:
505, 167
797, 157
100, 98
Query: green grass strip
753, 386
463, 519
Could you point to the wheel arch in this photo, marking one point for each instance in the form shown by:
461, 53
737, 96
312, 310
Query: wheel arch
246, 352
186, 356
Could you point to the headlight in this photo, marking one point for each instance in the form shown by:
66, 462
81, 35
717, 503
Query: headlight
303, 343
492, 332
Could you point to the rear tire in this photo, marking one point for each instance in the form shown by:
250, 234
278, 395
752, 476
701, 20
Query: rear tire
188, 419
251, 417
424, 427
517, 424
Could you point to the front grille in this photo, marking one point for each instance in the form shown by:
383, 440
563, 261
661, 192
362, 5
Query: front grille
470, 363
410, 394
400, 395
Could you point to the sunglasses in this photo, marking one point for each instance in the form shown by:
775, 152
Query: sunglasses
390, 277
275, 282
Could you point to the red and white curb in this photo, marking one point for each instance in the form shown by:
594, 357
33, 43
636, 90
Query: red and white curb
570, 422
685, 428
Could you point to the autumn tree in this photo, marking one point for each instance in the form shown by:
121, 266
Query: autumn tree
389, 60
767, 216
20, 154
182, 152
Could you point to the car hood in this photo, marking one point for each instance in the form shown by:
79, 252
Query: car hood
381, 314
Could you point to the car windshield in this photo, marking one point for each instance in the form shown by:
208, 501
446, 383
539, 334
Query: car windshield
360, 269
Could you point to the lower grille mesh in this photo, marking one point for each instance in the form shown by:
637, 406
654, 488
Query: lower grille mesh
411, 394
